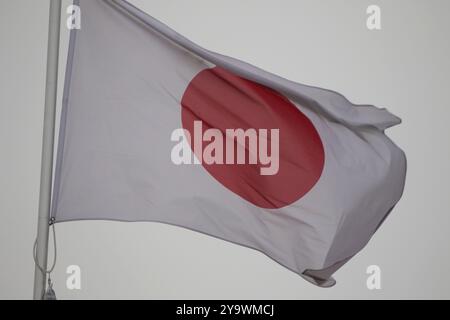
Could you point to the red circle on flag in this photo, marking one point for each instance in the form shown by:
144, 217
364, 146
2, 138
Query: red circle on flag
225, 101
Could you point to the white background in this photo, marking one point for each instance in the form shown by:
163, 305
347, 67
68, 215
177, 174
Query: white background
404, 67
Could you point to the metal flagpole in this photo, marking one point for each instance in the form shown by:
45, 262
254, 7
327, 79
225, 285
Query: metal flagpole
47, 147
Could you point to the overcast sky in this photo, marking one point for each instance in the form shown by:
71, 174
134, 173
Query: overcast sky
404, 67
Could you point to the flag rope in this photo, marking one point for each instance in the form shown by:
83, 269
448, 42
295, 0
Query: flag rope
36, 262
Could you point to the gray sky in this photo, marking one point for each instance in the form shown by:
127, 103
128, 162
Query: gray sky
325, 43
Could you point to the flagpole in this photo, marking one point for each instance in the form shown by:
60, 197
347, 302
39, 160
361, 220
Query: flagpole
47, 147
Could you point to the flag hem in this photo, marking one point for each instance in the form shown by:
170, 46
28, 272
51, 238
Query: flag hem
63, 119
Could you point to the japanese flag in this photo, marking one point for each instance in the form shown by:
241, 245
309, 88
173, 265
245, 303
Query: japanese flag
156, 128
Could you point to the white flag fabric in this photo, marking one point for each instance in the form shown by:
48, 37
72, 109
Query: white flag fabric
156, 128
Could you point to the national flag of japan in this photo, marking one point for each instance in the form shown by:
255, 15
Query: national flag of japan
156, 128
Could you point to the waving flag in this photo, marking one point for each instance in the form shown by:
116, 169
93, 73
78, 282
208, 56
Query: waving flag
156, 128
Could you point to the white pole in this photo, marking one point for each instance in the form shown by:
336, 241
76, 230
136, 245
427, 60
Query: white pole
47, 147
